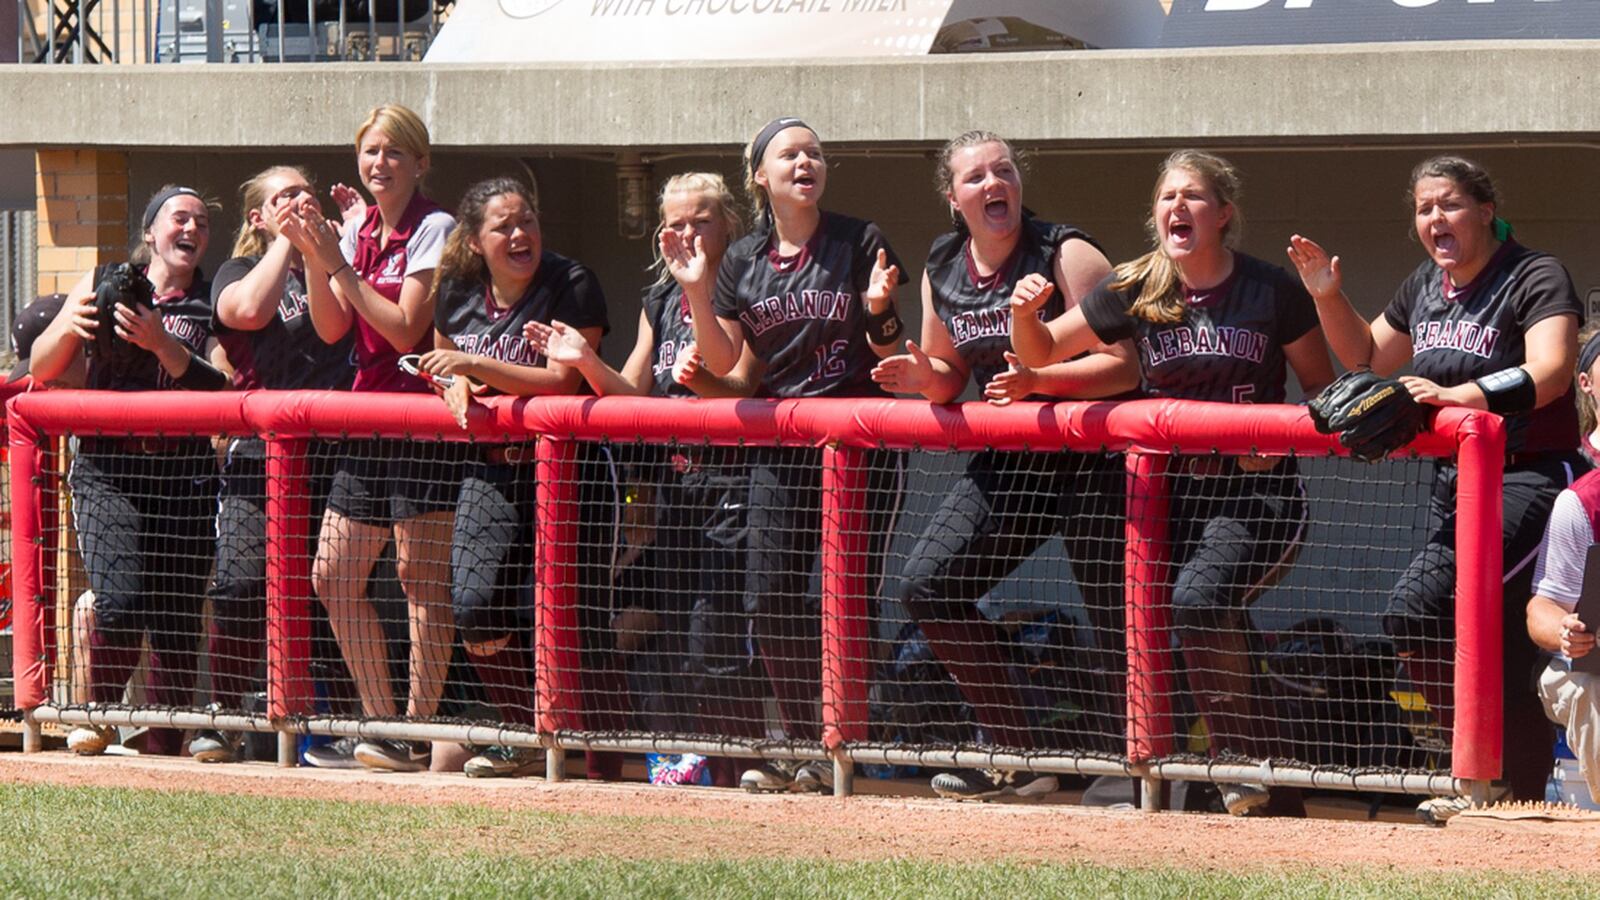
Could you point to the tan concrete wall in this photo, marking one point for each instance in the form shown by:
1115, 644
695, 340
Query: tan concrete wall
1343, 94
1349, 199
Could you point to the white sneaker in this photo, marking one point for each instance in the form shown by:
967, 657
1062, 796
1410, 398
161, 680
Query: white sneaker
814, 777
1436, 811
1240, 799
341, 754
91, 740
988, 784
505, 762
769, 776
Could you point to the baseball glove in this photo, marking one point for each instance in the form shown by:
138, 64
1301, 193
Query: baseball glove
1373, 416
125, 284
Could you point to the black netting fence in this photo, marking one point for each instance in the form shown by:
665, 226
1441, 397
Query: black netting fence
678, 596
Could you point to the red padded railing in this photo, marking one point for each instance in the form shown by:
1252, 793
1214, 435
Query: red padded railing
1147, 430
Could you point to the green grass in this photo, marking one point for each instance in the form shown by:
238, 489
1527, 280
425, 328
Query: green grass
89, 842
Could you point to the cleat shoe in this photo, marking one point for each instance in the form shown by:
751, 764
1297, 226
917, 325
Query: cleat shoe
988, 784
814, 777
1436, 811
212, 746
91, 740
505, 762
1240, 799
390, 755
341, 754
769, 776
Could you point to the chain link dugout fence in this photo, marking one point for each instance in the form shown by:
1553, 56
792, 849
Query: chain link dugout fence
598, 590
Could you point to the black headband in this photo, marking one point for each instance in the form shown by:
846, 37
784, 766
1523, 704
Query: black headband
1589, 353
153, 208
758, 150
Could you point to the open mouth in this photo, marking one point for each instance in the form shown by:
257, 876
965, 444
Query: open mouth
1444, 242
805, 181
185, 246
1180, 231
998, 209
521, 255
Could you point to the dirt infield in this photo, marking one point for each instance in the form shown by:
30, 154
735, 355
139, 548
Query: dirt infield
733, 825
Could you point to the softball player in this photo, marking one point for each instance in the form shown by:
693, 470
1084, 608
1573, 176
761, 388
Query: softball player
1554, 625
376, 281
699, 496
496, 279
261, 317
142, 506
812, 294
1007, 505
1209, 323
1489, 324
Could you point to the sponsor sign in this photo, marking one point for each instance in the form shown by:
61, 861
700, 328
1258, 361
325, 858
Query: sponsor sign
660, 30
645, 30
1218, 23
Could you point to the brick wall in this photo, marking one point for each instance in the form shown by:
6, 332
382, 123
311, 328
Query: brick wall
83, 213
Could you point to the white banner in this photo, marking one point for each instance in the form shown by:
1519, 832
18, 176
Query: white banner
655, 30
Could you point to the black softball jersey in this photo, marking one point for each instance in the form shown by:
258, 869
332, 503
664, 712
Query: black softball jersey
803, 314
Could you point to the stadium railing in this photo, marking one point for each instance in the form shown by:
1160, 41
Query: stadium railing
1346, 715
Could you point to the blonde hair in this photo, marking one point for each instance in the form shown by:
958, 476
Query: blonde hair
760, 203
1588, 416
1160, 298
699, 184
400, 125
139, 254
249, 241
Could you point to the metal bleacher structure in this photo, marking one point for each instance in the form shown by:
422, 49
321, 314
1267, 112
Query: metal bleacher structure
226, 31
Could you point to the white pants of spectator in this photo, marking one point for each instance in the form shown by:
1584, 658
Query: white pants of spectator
1572, 700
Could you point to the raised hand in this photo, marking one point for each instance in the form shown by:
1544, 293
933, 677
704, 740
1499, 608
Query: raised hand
83, 317
316, 240
1015, 383
1319, 272
686, 260
880, 287
1030, 294
537, 334
141, 327
566, 345
688, 365
905, 373
352, 206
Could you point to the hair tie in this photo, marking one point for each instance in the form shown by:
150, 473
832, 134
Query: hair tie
1590, 353
153, 208
1502, 229
758, 149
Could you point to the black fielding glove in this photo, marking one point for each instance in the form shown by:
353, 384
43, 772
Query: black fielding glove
1373, 416
122, 283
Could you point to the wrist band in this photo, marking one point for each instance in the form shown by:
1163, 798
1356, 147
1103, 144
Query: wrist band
884, 327
201, 376
1509, 391
335, 273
